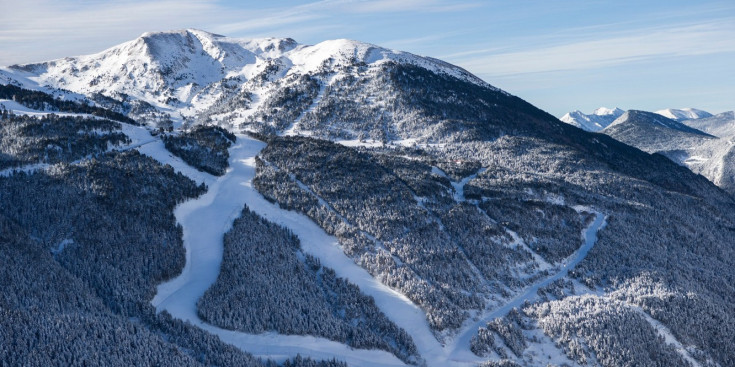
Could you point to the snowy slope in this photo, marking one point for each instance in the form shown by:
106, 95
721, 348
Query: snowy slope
683, 114
596, 121
602, 117
205, 220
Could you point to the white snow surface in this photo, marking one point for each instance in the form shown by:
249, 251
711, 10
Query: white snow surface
29, 168
683, 114
721, 125
596, 121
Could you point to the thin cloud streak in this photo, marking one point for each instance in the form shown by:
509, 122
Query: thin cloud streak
389, 6
681, 41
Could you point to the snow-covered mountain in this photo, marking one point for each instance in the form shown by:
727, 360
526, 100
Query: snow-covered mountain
602, 117
195, 76
709, 155
596, 121
683, 114
645, 125
387, 209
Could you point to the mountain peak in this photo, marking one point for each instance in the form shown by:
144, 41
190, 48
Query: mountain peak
181, 32
604, 111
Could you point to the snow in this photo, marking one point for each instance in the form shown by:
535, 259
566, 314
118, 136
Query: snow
683, 114
60, 247
184, 72
598, 120
367, 143
604, 111
19, 109
154, 148
459, 185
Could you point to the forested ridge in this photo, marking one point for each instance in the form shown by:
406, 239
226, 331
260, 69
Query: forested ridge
267, 283
203, 147
45, 102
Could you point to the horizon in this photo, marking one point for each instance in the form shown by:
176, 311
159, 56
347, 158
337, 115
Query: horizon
561, 57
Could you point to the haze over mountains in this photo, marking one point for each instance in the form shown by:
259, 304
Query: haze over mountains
385, 209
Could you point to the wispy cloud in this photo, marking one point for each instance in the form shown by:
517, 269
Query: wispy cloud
383, 6
642, 44
35, 30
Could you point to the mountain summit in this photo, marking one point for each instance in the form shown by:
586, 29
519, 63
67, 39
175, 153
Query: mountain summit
196, 76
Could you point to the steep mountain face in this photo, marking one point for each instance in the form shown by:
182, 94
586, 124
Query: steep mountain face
598, 120
683, 114
705, 154
406, 212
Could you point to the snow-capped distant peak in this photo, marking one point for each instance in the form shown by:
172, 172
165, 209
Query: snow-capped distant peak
683, 114
598, 120
604, 111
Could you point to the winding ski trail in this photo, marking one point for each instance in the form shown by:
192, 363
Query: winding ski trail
458, 350
204, 221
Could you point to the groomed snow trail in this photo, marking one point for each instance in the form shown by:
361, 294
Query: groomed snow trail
459, 351
205, 220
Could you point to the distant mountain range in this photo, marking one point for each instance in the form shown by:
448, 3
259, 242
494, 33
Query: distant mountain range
598, 120
602, 117
190, 199
693, 138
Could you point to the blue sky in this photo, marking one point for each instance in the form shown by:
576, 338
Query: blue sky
558, 55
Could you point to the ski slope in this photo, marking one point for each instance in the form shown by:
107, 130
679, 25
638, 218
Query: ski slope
205, 220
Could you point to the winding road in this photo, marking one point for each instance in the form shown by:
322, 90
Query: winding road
459, 348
